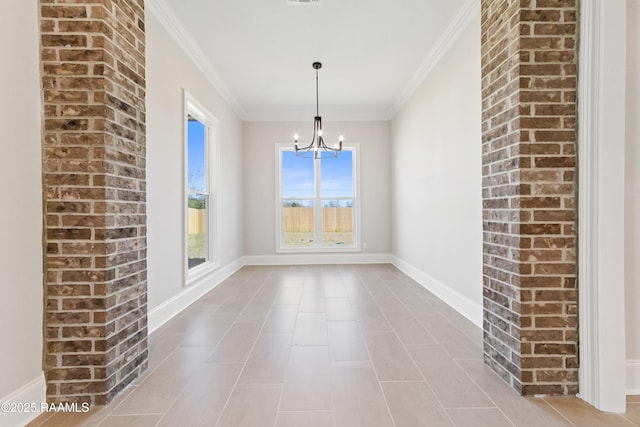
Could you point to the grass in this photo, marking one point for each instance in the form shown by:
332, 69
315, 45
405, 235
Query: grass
197, 245
299, 239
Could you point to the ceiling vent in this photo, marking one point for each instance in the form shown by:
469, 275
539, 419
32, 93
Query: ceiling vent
304, 2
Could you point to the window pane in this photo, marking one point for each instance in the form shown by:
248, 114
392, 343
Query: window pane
337, 223
298, 223
297, 176
196, 155
337, 176
197, 229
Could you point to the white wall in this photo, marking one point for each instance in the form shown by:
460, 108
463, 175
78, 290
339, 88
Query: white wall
437, 182
21, 189
169, 71
260, 139
632, 178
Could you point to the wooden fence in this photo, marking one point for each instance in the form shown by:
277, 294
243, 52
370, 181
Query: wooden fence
300, 220
197, 223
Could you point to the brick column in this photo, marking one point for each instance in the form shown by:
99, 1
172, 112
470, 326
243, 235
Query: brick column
93, 69
529, 88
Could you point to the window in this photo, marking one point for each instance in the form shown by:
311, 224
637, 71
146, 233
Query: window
200, 204
317, 207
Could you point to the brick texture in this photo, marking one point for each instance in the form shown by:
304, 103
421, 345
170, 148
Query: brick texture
93, 80
529, 58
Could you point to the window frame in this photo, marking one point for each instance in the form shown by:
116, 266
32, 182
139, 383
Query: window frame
354, 148
192, 108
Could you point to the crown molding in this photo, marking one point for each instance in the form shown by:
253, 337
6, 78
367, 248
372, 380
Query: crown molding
168, 20
286, 117
468, 11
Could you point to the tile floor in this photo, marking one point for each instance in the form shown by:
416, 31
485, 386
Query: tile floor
338, 346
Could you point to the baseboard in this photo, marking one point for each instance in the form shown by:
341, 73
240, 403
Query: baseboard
161, 314
312, 259
468, 308
633, 377
31, 393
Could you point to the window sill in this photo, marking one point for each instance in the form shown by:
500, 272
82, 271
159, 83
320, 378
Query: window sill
306, 250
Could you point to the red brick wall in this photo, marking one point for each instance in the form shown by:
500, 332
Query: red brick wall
529, 58
93, 69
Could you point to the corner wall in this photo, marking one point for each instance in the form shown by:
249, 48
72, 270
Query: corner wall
21, 189
169, 71
436, 175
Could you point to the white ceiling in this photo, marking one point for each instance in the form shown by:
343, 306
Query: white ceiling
259, 52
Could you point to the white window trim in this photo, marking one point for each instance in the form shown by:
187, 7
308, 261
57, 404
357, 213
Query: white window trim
357, 247
195, 109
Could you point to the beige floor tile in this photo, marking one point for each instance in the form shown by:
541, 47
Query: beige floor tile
530, 412
313, 284
256, 311
345, 341
339, 309
182, 321
130, 421
388, 302
357, 396
269, 359
67, 419
479, 417
456, 318
214, 298
308, 380
457, 344
305, 419
236, 345
581, 413
292, 279
288, 296
249, 287
413, 404
209, 332
268, 290
633, 413
312, 302
390, 360
281, 319
359, 295
409, 330
235, 304
161, 346
334, 289
204, 398
15, 420
160, 389
370, 318
449, 382
475, 334
251, 406
311, 329
374, 285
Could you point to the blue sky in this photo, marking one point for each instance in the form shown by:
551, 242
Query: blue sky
196, 156
298, 179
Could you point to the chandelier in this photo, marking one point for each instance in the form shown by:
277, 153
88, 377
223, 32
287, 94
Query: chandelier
317, 148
